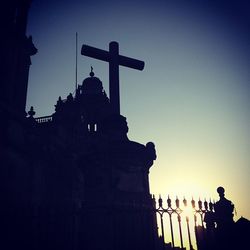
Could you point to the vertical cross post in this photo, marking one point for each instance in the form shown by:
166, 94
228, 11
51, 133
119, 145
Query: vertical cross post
114, 92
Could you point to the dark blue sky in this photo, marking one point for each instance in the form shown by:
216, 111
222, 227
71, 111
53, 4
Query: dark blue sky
192, 99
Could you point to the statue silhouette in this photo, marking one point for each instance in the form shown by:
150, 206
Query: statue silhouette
224, 220
223, 210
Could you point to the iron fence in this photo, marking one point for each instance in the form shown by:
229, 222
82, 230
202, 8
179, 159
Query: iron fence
197, 211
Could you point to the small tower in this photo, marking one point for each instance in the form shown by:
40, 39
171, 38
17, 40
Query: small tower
93, 101
16, 52
87, 109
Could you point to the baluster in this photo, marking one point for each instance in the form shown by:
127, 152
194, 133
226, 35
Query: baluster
195, 220
187, 220
161, 219
162, 231
201, 212
179, 222
170, 219
189, 236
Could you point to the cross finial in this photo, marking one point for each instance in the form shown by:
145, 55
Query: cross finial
91, 72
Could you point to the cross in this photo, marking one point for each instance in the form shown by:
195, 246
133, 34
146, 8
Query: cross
114, 59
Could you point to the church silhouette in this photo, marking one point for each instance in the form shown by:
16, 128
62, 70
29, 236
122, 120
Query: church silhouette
73, 180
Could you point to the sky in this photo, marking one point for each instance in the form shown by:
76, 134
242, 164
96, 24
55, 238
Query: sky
191, 99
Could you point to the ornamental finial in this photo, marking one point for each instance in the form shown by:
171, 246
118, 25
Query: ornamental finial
91, 72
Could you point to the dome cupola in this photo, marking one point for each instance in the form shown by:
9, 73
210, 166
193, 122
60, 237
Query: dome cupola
92, 84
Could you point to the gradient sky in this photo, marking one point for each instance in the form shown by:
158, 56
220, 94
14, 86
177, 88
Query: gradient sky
192, 98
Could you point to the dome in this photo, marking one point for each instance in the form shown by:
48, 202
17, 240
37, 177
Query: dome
92, 84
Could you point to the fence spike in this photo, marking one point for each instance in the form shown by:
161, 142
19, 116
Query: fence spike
160, 201
185, 201
169, 201
210, 205
205, 204
177, 202
200, 204
154, 201
193, 202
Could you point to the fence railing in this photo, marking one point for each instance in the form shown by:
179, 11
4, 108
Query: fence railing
44, 119
176, 213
